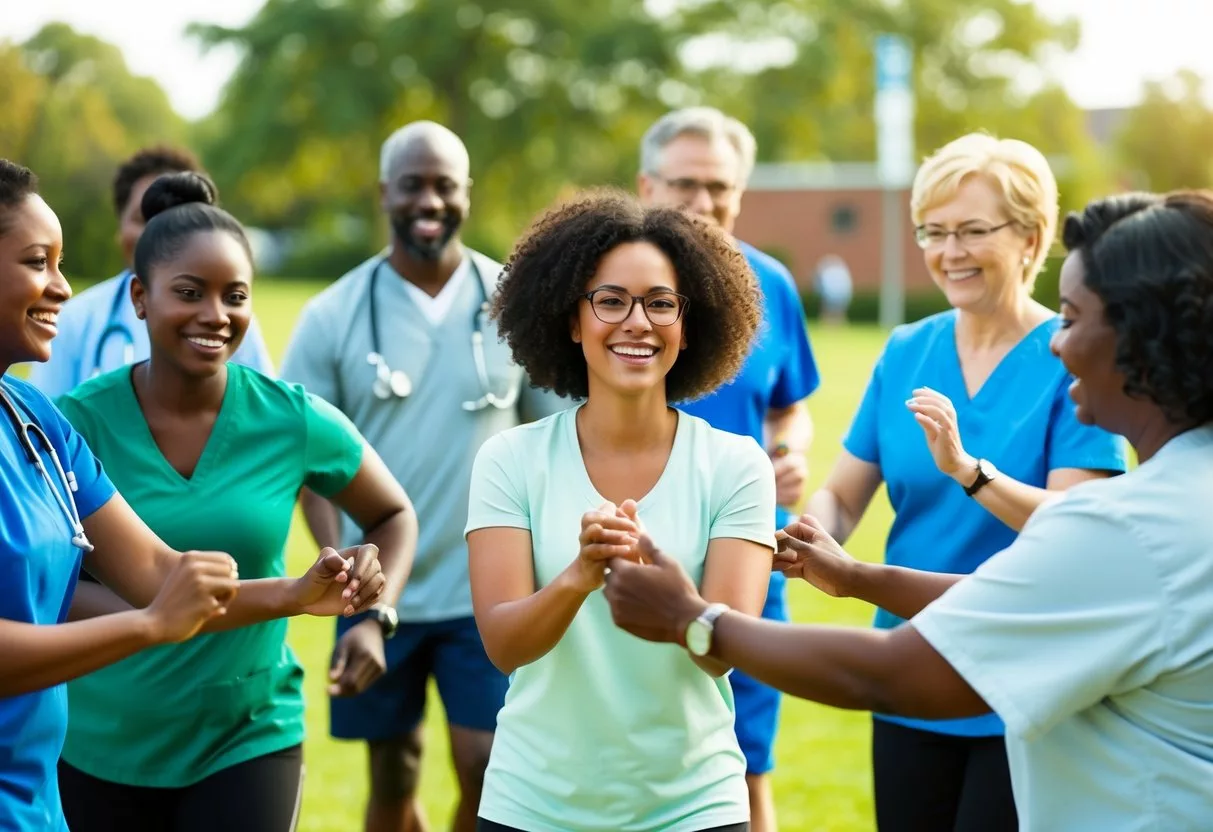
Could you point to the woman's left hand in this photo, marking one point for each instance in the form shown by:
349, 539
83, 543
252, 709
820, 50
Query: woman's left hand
937, 417
340, 583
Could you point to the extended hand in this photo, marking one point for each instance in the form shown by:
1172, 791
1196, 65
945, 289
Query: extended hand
358, 659
791, 476
342, 583
805, 550
937, 417
605, 534
199, 588
654, 600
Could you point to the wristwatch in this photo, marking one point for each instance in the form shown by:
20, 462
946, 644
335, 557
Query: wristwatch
388, 620
699, 631
985, 473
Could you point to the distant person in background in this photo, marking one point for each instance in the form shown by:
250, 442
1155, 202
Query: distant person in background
699, 159
832, 280
1092, 634
404, 346
967, 421
98, 330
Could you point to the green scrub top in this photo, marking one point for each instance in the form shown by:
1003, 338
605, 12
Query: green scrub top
173, 715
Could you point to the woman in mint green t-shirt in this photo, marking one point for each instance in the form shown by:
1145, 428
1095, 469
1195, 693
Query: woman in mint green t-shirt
206, 735
628, 309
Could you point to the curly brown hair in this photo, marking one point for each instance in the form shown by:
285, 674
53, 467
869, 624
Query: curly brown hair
547, 273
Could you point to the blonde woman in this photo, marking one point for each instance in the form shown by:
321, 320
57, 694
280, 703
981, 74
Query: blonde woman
966, 420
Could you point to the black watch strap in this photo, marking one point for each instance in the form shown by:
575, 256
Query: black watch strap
982, 479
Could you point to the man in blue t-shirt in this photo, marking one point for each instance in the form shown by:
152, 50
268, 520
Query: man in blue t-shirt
699, 159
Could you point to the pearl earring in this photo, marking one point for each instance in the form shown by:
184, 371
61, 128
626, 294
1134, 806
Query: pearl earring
1027, 261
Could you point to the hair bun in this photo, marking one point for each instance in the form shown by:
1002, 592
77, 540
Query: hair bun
172, 189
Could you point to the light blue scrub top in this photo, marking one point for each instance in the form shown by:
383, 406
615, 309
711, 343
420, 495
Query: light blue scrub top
98, 330
38, 570
1021, 420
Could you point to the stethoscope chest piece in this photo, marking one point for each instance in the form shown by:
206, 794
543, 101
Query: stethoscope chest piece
388, 382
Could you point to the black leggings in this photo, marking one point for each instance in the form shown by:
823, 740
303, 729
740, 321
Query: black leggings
259, 795
483, 825
927, 782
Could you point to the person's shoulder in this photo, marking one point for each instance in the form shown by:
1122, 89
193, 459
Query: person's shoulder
725, 448
98, 389
486, 268
771, 273
26, 393
337, 296
30, 400
916, 335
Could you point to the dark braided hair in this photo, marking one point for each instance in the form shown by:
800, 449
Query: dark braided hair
1149, 258
547, 274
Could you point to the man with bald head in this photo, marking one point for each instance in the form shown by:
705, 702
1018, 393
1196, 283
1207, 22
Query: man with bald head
404, 346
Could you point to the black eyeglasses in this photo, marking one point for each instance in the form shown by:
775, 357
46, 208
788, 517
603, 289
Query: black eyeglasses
933, 237
613, 306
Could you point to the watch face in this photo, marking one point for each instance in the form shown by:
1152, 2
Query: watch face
699, 638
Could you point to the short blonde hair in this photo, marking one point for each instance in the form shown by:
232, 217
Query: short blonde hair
1020, 172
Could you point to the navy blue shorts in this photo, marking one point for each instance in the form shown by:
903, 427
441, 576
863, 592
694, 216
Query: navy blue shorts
757, 704
472, 690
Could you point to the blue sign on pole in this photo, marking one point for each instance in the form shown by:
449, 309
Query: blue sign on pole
894, 59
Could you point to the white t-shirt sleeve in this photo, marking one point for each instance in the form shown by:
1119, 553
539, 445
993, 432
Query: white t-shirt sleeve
743, 493
498, 493
1070, 613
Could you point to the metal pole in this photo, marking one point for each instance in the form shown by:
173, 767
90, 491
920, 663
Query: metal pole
892, 260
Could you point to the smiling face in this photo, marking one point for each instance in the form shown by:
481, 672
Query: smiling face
32, 287
198, 303
981, 269
1086, 345
426, 197
698, 175
633, 356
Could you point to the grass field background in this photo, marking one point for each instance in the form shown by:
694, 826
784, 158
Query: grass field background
822, 777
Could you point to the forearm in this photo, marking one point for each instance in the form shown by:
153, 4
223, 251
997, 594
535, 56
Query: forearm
1010, 500
851, 668
259, 600
903, 592
396, 539
41, 656
791, 427
832, 514
516, 633
323, 519
92, 600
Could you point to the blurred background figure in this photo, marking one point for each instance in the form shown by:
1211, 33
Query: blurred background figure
832, 282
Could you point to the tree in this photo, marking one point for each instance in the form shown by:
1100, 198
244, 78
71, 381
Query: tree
73, 112
1166, 138
546, 94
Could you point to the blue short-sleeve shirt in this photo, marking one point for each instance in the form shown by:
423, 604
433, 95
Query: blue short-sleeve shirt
780, 370
38, 570
1021, 420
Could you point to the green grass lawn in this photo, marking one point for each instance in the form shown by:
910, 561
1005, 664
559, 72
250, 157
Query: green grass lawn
822, 780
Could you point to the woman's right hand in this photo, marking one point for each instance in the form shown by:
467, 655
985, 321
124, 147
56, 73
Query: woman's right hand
605, 534
198, 589
805, 550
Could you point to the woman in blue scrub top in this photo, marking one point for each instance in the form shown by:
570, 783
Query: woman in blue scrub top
967, 421
59, 511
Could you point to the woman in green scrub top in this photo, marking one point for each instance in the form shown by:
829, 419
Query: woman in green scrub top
207, 735
58, 510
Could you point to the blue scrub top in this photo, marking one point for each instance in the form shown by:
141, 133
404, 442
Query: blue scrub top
779, 372
98, 328
38, 570
1021, 420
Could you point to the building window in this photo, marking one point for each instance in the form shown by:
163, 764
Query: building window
844, 219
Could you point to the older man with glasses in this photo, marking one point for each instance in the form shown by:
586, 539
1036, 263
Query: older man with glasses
699, 159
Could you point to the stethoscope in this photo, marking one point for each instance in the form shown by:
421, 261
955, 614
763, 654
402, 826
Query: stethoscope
389, 382
26, 433
116, 328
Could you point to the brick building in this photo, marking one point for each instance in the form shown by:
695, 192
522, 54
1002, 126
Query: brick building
800, 212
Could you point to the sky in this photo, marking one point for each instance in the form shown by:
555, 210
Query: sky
1124, 42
